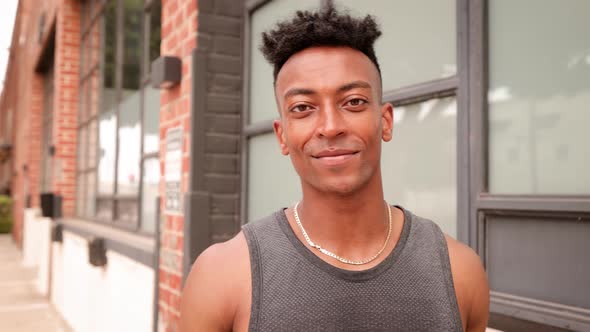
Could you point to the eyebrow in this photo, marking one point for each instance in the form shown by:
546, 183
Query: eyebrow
344, 88
354, 85
298, 91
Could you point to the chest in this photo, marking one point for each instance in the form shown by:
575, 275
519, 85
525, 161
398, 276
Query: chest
308, 300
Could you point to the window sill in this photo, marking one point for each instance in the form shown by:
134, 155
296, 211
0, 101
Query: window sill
140, 248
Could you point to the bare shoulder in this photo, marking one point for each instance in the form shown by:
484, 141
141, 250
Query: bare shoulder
215, 286
471, 285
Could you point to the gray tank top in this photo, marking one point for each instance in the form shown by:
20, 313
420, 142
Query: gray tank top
294, 290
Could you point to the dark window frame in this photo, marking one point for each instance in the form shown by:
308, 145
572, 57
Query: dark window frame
89, 22
482, 203
47, 129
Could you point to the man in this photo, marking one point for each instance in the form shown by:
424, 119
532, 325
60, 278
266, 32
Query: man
341, 259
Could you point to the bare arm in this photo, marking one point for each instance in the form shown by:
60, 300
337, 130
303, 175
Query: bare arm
471, 286
213, 289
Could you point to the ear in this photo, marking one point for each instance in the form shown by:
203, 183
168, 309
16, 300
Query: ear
280, 134
387, 122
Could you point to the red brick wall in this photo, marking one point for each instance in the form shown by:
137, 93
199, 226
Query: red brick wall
179, 19
23, 95
35, 134
65, 110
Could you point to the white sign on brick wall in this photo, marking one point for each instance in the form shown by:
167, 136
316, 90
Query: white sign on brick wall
173, 170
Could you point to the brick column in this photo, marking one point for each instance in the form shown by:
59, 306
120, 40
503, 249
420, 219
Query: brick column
214, 191
36, 118
179, 32
67, 52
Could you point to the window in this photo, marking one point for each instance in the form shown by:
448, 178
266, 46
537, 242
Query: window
268, 170
417, 44
424, 135
47, 128
421, 61
119, 113
539, 93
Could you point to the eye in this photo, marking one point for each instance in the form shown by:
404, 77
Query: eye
356, 102
300, 108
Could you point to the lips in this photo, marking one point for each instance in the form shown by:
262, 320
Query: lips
334, 153
337, 157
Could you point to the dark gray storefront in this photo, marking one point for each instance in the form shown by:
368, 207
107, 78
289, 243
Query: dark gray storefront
507, 111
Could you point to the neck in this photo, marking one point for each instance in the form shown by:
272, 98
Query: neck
353, 225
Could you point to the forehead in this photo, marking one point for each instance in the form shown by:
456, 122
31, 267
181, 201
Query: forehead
326, 67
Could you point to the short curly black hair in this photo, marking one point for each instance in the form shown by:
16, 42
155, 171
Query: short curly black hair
325, 27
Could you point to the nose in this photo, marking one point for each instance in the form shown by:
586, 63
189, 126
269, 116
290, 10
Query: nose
332, 122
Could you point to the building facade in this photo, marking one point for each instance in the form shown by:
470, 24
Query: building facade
136, 133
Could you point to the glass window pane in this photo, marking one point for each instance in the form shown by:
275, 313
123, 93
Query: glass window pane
47, 128
85, 12
129, 146
93, 80
104, 209
80, 194
417, 45
127, 212
82, 102
151, 118
155, 30
82, 148
84, 56
133, 10
539, 92
92, 146
262, 101
90, 199
85, 101
150, 190
106, 154
109, 53
424, 135
269, 172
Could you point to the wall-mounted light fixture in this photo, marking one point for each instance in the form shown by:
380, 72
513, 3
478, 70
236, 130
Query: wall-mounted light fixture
5, 152
166, 72
51, 205
97, 252
57, 233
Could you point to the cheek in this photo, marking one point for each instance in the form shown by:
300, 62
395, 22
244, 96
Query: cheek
298, 137
371, 132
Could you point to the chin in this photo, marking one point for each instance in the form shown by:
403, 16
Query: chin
340, 185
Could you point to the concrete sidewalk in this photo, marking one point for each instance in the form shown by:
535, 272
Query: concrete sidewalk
22, 308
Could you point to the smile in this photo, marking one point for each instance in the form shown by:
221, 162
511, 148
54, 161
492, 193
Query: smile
335, 158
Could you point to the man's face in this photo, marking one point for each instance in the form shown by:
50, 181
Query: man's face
332, 120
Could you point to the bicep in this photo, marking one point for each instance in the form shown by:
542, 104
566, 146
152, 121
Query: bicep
203, 306
471, 285
480, 302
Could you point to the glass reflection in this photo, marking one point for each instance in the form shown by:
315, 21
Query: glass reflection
133, 10
417, 45
424, 135
150, 190
155, 30
151, 118
127, 211
539, 97
80, 195
90, 199
106, 159
129, 146
109, 27
269, 172
262, 101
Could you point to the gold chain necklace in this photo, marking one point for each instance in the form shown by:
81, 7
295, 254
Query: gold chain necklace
333, 255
